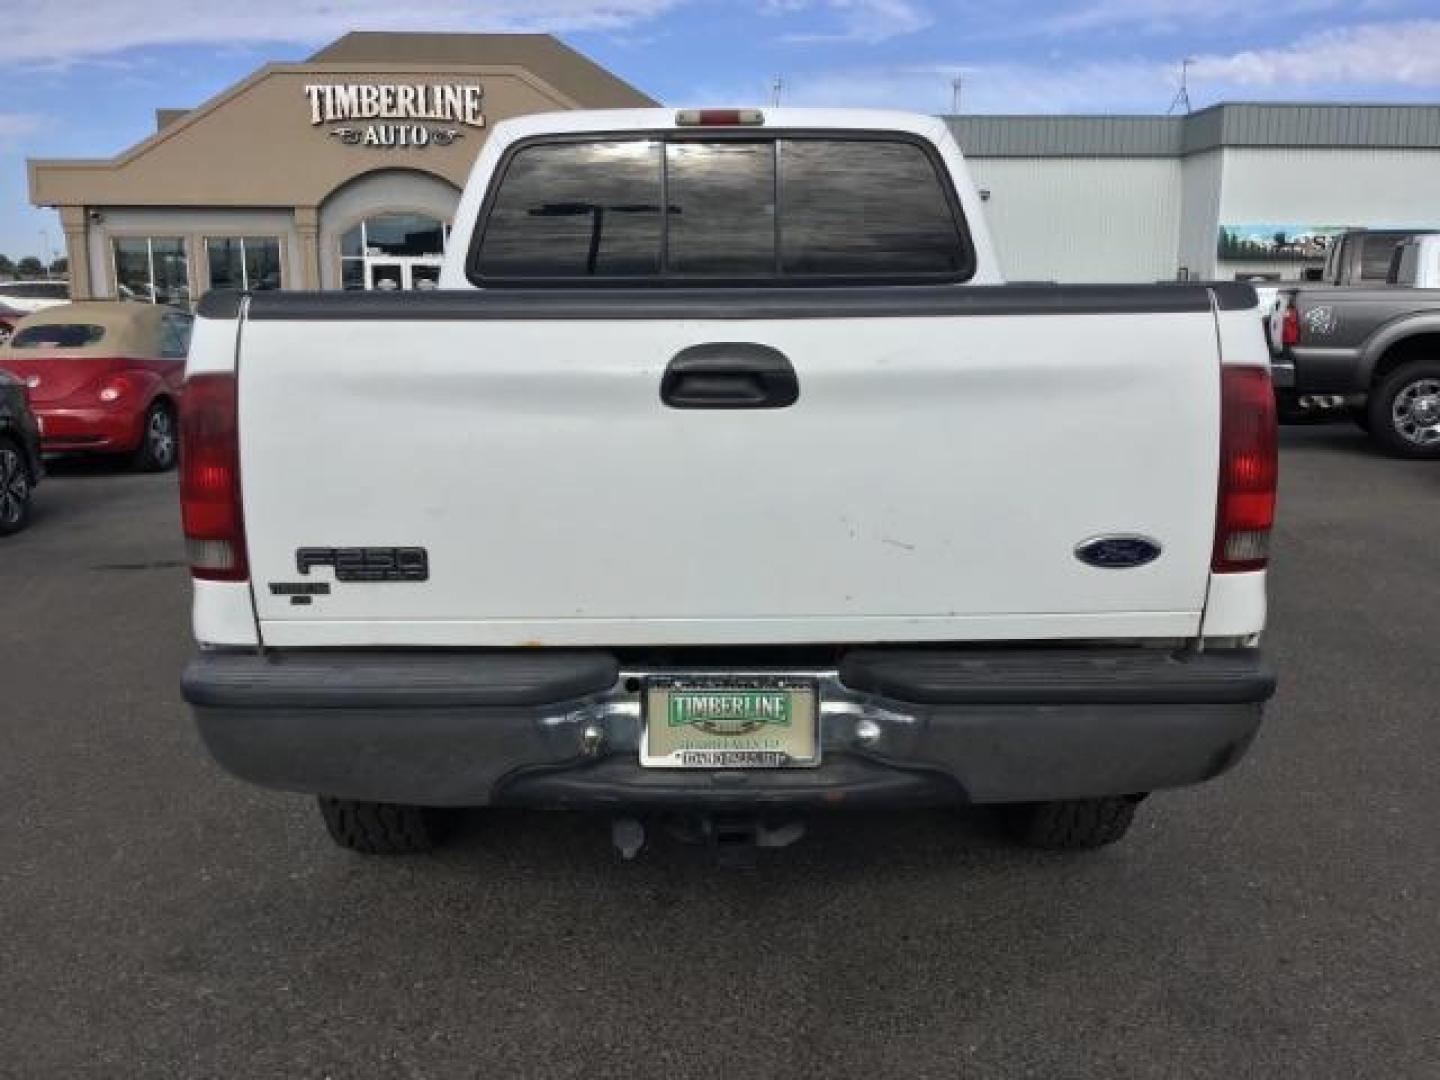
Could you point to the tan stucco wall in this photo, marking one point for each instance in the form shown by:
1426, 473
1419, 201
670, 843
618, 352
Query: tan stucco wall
77, 251
252, 160
256, 146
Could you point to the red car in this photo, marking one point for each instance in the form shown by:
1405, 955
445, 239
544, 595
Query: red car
104, 377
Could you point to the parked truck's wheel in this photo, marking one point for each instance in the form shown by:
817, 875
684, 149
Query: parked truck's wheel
15, 488
1405, 410
373, 828
1072, 824
159, 440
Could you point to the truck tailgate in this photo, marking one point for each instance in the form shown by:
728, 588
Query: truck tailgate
931, 482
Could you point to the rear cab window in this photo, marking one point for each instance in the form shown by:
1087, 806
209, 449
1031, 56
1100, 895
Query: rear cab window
1376, 252
58, 336
782, 208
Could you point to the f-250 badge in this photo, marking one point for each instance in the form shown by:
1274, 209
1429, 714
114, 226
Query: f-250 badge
367, 564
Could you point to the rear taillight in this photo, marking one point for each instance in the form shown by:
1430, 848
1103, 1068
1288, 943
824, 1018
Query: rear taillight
1290, 326
1249, 468
114, 388
210, 479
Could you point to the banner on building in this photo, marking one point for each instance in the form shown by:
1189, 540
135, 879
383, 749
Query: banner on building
1275, 241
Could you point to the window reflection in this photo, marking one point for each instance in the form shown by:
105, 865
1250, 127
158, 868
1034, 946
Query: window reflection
248, 262
152, 269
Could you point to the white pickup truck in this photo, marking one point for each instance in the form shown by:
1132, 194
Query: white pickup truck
725, 477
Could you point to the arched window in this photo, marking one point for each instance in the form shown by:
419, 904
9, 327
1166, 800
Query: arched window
393, 251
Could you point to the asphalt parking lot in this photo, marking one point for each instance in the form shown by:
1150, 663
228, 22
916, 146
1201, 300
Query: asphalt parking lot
160, 919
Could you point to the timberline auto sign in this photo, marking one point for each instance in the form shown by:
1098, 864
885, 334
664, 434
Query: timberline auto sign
393, 116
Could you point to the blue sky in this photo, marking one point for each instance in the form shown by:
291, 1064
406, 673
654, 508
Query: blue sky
84, 76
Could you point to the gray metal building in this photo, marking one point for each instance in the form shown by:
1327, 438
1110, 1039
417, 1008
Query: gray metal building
1235, 190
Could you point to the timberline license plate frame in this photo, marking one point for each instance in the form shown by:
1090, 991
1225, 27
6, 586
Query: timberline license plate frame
796, 741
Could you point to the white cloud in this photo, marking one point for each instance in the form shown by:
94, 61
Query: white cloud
57, 31
866, 21
1378, 54
987, 88
1388, 60
1154, 17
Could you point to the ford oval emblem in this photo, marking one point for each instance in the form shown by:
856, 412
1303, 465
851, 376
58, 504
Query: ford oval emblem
1120, 551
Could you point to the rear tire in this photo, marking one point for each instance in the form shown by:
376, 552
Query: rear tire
16, 488
373, 828
1404, 410
1072, 824
159, 440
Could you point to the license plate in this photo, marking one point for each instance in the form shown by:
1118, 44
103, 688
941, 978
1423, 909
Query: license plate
730, 723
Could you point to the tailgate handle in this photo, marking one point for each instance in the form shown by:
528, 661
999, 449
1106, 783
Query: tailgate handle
729, 375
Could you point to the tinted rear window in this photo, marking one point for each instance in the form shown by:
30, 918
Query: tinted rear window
736, 209
859, 208
58, 336
722, 208
576, 210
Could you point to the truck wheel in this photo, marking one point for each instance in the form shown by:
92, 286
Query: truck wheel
159, 440
15, 489
1405, 410
1072, 824
373, 828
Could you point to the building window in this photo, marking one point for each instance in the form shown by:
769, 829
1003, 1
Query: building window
393, 251
251, 263
152, 269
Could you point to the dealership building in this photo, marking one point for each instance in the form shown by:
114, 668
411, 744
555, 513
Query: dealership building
339, 172
344, 171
